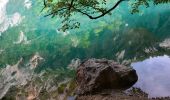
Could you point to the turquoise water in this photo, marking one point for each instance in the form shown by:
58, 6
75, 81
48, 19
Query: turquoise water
25, 33
121, 36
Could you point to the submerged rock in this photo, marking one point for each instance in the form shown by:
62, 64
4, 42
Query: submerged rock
96, 75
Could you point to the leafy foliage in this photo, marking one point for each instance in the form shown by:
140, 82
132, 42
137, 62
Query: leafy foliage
94, 9
66, 9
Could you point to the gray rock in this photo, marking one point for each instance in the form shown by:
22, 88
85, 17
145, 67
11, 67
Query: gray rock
95, 75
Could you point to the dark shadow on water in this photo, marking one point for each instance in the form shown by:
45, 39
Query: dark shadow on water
154, 76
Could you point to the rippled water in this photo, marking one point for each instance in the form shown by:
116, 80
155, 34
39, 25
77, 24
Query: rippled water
154, 76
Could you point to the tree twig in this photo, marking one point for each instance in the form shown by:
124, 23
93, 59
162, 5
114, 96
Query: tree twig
103, 14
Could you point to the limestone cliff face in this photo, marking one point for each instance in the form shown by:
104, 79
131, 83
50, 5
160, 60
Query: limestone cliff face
20, 82
16, 76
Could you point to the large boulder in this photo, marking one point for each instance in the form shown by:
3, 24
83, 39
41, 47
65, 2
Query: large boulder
95, 75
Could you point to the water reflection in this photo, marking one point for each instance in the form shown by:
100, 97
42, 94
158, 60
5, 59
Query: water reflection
154, 76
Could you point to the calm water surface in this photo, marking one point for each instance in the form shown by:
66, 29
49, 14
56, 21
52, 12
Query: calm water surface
154, 76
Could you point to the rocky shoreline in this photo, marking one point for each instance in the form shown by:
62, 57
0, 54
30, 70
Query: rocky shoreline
102, 79
96, 79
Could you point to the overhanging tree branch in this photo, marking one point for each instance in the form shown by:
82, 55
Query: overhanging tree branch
52, 13
66, 9
45, 5
103, 14
71, 4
